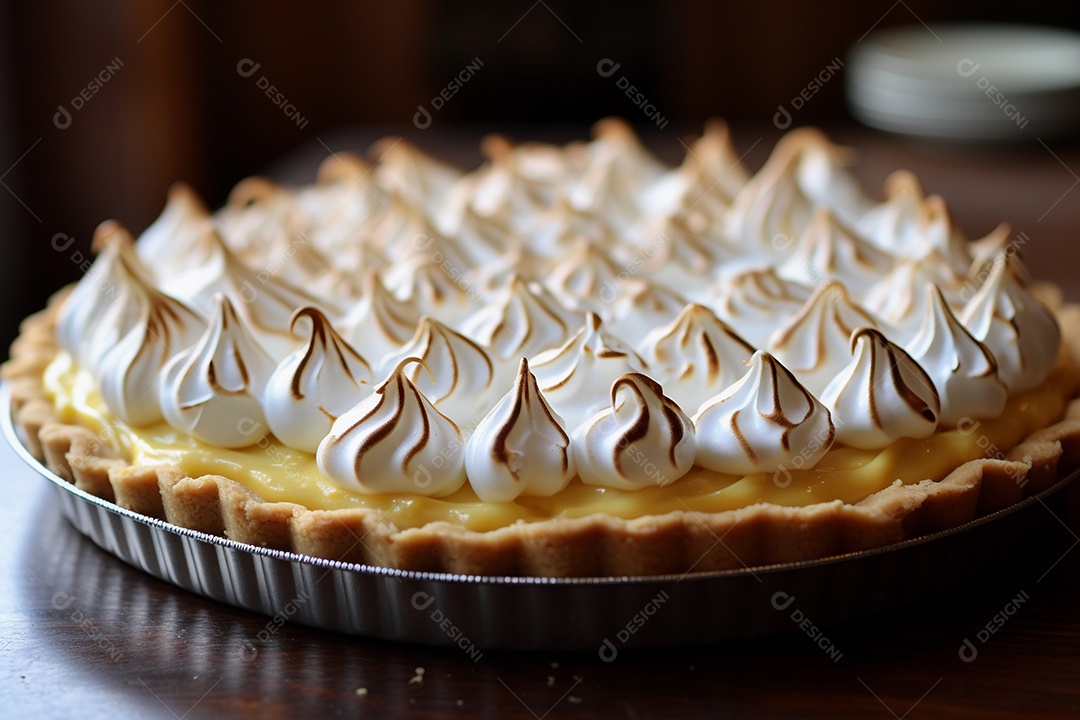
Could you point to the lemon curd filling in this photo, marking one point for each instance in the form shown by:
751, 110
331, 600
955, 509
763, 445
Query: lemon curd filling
277, 473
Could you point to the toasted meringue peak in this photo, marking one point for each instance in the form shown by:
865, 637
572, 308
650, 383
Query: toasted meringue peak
403, 168
642, 439
588, 279
899, 299
167, 245
674, 255
482, 238
815, 343
829, 251
107, 302
881, 395
1024, 335
394, 441
714, 153
493, 277
753, 301
696, 356
618, 169
315, 384
704, 186
212, 390
985, 250
577, 376
520, 447
642, 307
456, 375
129, 372
765, 422
772, 209
379, 323
909, 224
822, 173
433, 289
964, 371
264, 301
342, 167
523, 320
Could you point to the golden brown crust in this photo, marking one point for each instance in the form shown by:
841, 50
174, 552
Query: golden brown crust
597, 545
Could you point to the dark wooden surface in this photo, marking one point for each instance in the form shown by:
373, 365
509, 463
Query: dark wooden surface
83, 635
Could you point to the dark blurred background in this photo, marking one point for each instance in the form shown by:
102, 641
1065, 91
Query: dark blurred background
182, 97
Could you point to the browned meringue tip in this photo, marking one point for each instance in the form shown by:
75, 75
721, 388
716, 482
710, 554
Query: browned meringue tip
108, 232
250, 191
795, 142
399, 369
903, 183
631, 378
717, 128
341, 167
318, 319
389, 146
496, 147
182, 193
614, 128
872, 333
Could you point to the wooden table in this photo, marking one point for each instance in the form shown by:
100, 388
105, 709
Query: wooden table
83, 635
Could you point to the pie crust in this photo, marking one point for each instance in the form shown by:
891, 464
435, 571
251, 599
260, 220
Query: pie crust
597, 545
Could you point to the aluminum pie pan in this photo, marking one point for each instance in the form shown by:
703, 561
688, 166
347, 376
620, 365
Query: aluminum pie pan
603, 614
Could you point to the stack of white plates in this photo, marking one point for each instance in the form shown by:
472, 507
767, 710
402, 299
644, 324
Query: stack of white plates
977, 82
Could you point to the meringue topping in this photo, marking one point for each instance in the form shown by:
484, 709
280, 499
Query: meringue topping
696, 356
107, 302
432, 289
754, 301
881, 395
524, 320
264, 301
829, 251
213, 389
456, 374
379, 323
520, 447
576, 377
772, 209
394, 441
1024, 334
642, 307
129, 373
642, 439
476, 274
815, 343
964, 371
315, 384
166, 246
765, 422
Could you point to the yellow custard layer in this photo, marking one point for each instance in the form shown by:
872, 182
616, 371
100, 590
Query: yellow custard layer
275, 472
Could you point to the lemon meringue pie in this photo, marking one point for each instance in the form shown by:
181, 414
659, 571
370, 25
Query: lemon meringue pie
571, 361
